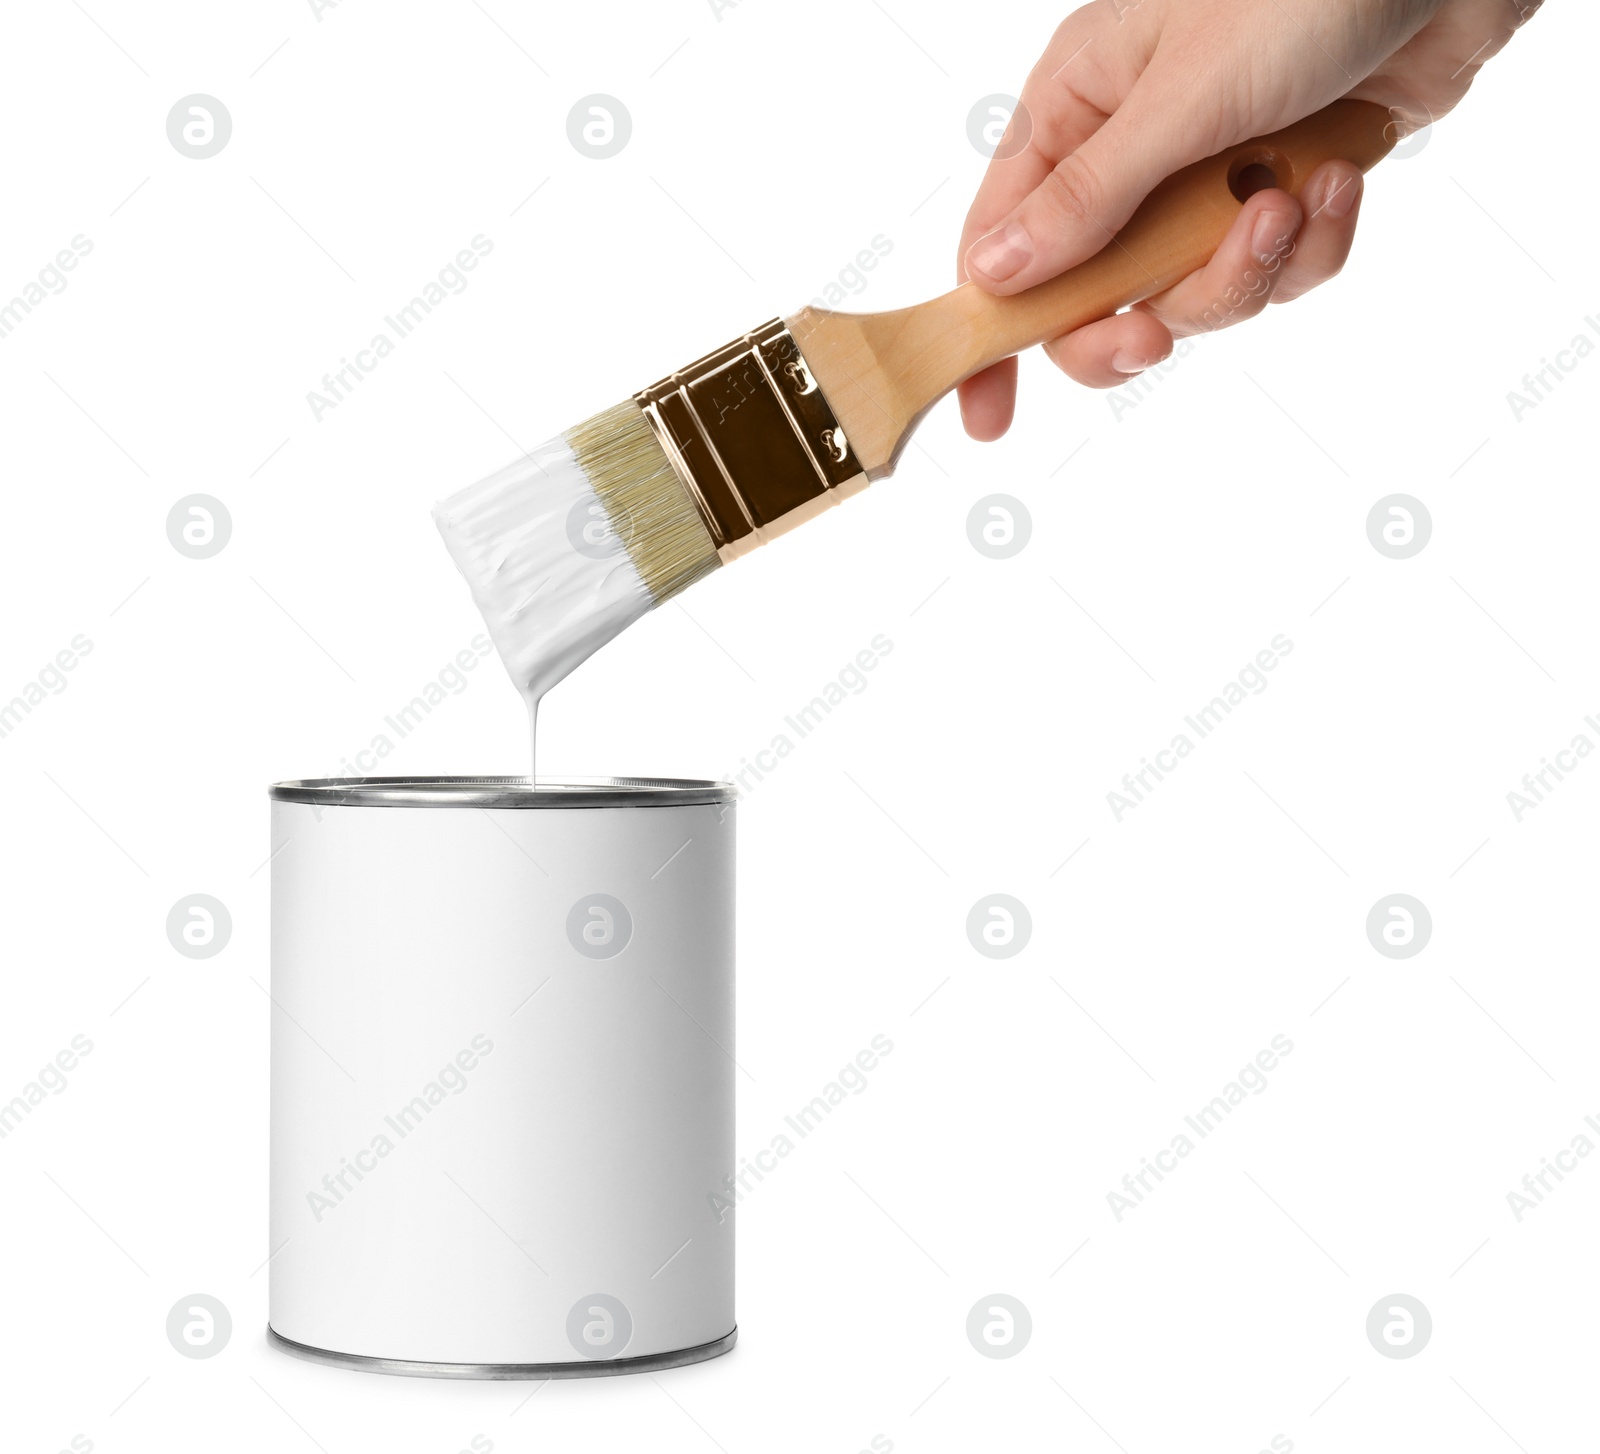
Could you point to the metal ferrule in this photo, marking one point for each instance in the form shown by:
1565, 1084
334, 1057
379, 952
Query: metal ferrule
752, 437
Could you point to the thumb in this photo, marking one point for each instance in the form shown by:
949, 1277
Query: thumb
1079, 205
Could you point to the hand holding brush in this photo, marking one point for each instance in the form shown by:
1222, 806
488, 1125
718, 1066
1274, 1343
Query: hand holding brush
1129, 91
1135, 189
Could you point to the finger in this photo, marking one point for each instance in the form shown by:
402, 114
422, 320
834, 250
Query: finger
1067, 97
1092, 191
1009, 178
1268, 255
1332, 201
1240, 280
1063, 102
1241, 277
988, 401
1104, 354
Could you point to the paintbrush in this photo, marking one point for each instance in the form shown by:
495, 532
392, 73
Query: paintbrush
577, 540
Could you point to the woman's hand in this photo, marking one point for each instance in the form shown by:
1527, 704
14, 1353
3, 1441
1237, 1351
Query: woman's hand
1130, 91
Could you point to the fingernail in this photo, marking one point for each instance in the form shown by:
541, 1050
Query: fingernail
1126, 363
1001, 254
1273, 232
1342, 195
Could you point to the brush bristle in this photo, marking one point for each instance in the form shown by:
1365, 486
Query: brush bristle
649, 508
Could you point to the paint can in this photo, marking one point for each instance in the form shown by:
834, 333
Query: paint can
502, 1074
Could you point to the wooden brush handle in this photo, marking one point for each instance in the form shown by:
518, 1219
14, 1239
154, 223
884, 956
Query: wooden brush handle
1176, 231
882, 371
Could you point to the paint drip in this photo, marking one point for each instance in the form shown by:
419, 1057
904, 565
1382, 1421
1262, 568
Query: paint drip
552, 579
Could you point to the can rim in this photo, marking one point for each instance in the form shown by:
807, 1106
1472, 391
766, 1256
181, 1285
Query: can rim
422, 791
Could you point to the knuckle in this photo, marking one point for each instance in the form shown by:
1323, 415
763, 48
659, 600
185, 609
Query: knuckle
1071, 194
1241, 299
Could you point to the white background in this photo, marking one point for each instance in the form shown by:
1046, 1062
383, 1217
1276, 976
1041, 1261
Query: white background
370, 145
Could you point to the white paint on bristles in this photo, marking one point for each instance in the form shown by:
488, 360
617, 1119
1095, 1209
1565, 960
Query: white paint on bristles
552, 579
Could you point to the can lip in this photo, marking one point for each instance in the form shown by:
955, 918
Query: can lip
501, 792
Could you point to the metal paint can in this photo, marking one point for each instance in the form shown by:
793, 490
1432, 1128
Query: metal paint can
502, 1074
